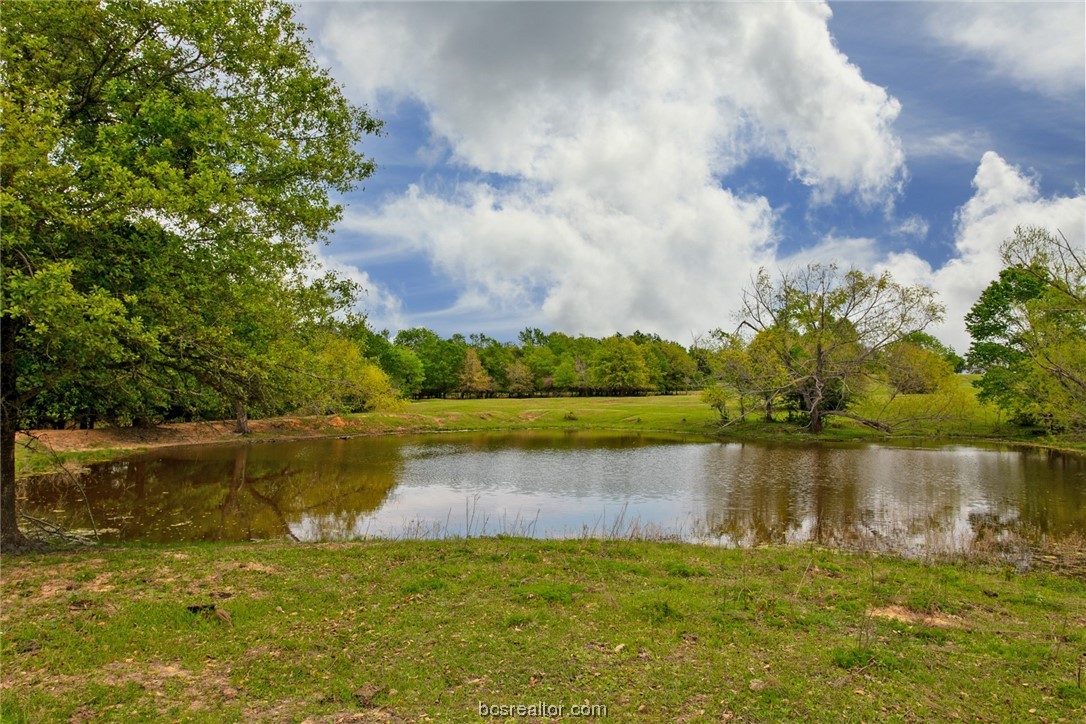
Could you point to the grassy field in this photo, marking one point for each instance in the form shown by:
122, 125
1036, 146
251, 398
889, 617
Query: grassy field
429, 630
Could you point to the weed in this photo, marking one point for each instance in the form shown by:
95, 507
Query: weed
852, 657
658, 612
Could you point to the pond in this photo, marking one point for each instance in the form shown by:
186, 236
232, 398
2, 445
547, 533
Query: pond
566, 484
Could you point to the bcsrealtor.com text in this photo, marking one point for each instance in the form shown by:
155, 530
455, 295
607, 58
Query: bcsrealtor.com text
543, 709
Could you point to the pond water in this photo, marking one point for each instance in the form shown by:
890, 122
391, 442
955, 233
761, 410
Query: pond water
562, 484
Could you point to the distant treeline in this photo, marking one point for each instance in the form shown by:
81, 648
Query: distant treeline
422, 364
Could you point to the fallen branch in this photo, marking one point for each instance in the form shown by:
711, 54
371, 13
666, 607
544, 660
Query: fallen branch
50, 528
75, 481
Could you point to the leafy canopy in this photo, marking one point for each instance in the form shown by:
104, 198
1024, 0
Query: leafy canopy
1029, 332
166, 167
821, 334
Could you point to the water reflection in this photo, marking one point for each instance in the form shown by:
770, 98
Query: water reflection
242, 492
569, 484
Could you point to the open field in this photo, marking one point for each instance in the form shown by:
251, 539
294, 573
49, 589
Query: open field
427, 630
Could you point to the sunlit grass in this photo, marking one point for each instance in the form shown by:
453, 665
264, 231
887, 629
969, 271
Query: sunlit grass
416, 629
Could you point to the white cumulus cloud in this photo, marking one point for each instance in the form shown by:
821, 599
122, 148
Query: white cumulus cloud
612, 130
384, 310
1037, 44
1004, 198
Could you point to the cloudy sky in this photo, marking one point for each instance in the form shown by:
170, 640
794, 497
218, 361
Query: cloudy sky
603, 167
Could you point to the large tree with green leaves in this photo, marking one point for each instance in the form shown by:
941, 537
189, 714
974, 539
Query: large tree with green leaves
823, 332
442, 359
1029, 331
166, 167
474, 379
618, 367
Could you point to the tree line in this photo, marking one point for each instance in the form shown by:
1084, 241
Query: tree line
422, 364
819, 341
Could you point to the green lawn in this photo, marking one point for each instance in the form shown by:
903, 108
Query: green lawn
428, 630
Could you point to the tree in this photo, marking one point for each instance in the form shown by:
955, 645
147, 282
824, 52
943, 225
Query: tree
749, 369
826, 330
716, 397
930, 343
496, 358
340, 379
163, 163
474, 379
542, 362
914, 370
618, 368
1029, 332
442, 359
399, 363
520, 381
670, 367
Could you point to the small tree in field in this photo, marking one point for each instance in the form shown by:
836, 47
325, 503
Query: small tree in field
823, 332
474, 380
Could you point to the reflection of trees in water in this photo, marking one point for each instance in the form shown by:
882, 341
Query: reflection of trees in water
754, 494
551, 440
890, 498
1054, 497
774, 495
235, 519
240, 493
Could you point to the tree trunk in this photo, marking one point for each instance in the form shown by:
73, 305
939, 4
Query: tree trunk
816, 419
12, 539
242, 415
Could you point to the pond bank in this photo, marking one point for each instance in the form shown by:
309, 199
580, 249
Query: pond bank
682, 414
421, 630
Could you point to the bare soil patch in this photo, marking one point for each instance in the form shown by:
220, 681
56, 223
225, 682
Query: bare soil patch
906, 615
186, 433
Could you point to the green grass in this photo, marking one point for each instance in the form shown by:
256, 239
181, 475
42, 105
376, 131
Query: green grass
39, 459
417, 630
664, 413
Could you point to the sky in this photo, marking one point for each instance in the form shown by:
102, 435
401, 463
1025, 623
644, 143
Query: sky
594, 168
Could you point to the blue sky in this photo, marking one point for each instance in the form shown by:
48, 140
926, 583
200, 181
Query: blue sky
603, 167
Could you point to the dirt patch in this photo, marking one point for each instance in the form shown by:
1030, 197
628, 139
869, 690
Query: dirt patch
179, 433
61, 578
184, 433
100, 584
906, 615
201, 691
